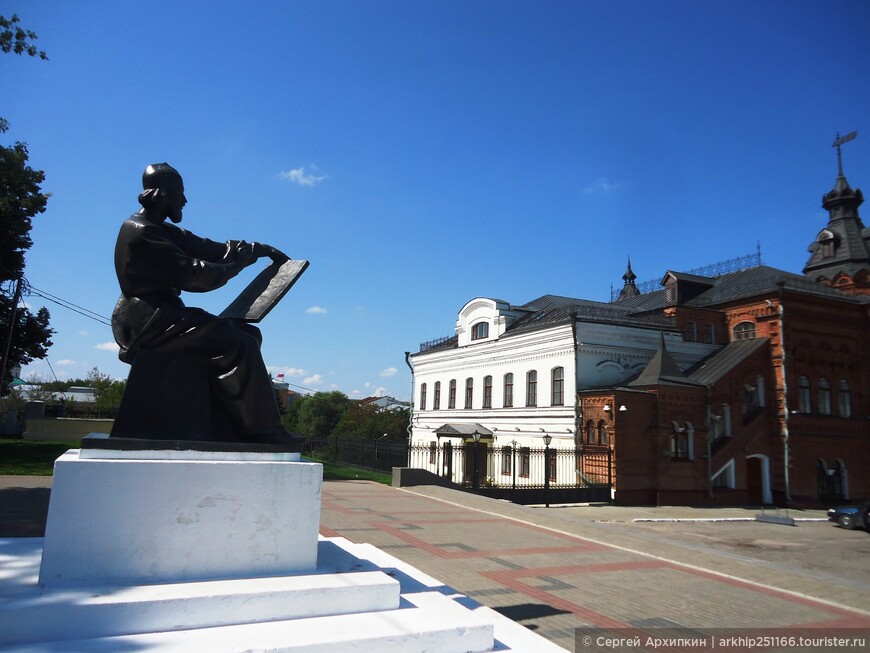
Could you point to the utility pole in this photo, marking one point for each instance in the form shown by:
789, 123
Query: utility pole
12, 321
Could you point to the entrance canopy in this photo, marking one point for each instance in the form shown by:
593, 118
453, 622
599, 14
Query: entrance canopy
462, 431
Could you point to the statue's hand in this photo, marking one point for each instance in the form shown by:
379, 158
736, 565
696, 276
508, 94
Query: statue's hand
245, 253
276, 255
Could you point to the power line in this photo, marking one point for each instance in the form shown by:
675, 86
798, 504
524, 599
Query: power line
81, 310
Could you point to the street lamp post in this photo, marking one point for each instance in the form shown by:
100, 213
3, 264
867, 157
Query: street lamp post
475, 481
547, 440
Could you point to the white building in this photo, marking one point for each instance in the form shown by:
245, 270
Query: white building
512, 373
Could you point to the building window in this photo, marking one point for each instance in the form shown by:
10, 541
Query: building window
436, 400
525, 461
553, 465
750, 399
480, 331
691, 332
830, 481
709, 334
508, 390
844, 399
804, 403
824, 397
559, 386
423, 397
487, 392
744, 331
679, 444
433, 452
532, 388
602, 432
469, 391
507, 454
590, 432
451, 396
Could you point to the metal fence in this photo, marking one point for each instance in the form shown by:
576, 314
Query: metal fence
518, 474
482, 466
379, 455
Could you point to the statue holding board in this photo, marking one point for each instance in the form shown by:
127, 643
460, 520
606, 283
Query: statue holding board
194, 376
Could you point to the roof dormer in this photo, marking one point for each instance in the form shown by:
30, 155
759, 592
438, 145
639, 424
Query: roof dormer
483, 319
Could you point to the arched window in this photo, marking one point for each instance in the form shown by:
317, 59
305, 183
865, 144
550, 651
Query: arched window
532, 388
590, 432
469, 391
451, 397
844, 399
436, 400
744, 331
558, 390
480, 331
824, 396
508, 390
487, 392
804, 403
423, 396
602, 432
830, 481
679, 442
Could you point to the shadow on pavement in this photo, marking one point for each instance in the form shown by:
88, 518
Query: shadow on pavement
23, 511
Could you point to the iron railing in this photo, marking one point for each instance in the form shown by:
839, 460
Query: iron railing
515, 467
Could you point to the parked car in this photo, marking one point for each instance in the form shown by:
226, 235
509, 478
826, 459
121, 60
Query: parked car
855, 516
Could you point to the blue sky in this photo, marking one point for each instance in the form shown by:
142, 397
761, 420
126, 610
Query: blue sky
422, 153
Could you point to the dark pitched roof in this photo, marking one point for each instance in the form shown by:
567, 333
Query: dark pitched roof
751, 282
763, 280
719, 363
849, 240
662, 370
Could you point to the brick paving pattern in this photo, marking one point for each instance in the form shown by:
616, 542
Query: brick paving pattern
564, 568
554, 581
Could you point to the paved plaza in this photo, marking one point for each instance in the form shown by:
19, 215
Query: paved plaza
561, 568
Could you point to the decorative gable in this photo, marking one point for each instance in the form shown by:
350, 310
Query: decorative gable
483, 319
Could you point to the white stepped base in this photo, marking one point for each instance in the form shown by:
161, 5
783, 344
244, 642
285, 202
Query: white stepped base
429, 616
400, 631
100, 612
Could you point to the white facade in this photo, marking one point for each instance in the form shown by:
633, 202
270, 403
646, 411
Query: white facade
590, 354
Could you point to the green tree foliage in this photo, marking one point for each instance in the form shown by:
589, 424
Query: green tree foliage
108, 391
319, 413
14, 38
21, 198
333, 414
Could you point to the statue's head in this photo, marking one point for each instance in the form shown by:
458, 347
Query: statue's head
163, 191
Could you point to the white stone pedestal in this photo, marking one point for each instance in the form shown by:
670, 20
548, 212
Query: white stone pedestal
202, 551
188, 516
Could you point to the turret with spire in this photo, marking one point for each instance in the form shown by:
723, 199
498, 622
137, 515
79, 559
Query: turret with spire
629, 289
840, 254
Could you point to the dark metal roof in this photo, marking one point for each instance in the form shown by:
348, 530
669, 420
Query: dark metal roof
662, 370
461, 430
719, 363
765, 280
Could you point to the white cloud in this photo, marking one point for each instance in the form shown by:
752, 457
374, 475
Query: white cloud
315, 310
107, 346
314, 379
298, 176
66, 362
274, 370
602, 185
380, 391
390, 371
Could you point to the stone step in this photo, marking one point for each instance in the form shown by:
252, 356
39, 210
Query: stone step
79, 613
410, 629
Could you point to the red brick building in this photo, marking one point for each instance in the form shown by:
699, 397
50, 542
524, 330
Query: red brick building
781, 412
